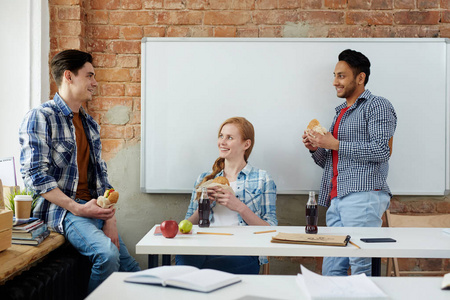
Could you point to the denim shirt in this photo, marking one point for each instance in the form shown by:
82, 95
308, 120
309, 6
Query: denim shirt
48, 157
254, 187
363, 155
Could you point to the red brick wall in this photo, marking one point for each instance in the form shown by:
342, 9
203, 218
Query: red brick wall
112, 31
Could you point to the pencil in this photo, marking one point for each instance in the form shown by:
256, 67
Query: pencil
216, 233
267, 231
354, 244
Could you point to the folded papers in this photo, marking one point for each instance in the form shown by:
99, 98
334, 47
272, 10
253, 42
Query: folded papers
318, 287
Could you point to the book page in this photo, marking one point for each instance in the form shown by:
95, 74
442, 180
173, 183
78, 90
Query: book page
204, 280
338, 287
159, 275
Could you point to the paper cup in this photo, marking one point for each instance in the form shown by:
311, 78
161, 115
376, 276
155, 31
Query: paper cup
22, 206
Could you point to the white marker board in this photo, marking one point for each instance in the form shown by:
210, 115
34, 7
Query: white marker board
191, 85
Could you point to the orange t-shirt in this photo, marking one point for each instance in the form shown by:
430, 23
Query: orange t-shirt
82, 158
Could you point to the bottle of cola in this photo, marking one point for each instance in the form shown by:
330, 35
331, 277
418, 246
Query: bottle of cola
312, 214
203, 209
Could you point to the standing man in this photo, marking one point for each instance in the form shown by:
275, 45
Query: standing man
61, 161
354, 156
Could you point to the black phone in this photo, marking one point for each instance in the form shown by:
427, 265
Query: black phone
378, 240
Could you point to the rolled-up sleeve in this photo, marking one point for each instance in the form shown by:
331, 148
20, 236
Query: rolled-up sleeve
269, 209
35, 153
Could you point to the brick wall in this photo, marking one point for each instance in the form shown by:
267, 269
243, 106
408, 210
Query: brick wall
112, 31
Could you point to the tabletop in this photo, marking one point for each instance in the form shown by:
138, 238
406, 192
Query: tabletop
410, 242
263, 287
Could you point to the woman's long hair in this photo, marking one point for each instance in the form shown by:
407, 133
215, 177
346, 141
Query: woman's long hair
247, 132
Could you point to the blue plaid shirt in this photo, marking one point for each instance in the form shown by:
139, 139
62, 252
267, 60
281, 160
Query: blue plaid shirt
363, 134
48, 157
255, 188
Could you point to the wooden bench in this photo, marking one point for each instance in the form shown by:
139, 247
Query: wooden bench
19, 258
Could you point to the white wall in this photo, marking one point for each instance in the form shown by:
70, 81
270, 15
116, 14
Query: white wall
24, 60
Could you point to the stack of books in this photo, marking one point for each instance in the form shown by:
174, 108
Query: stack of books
6, 223
31, 232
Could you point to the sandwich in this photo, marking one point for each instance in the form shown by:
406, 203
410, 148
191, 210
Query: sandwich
109, 199
219, 181
314, 125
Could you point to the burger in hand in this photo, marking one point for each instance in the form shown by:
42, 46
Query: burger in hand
219, 181
314, 125
109, 199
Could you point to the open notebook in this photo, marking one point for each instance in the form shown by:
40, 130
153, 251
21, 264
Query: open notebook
186, 277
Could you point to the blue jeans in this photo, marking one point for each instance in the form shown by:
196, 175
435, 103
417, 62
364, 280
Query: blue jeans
230, 264
363, 209
86, 235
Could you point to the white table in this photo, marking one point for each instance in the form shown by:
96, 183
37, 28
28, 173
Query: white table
264, 287
411, 242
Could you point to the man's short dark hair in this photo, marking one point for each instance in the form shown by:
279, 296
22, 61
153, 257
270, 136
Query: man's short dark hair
357, 61
71, 60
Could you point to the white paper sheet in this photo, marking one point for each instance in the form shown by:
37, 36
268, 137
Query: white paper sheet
338, 287
7, 171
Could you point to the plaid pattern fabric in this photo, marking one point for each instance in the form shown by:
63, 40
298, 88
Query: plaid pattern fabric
364, 133
48, 157
255, 188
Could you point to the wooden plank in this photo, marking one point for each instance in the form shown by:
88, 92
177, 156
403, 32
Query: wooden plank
19, 257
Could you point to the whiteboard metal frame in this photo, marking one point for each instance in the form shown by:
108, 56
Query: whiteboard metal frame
284, 40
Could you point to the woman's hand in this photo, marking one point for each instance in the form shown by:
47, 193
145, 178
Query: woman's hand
226, 198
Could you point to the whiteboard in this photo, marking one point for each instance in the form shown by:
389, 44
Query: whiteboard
191, 85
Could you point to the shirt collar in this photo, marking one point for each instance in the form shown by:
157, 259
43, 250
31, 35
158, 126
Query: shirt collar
246, 170
62, 105
364, 95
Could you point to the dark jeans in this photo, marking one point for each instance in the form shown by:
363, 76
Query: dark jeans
231, 264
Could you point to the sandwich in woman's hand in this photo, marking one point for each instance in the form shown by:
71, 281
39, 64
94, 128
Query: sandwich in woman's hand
219, 181
314, 125
109, 199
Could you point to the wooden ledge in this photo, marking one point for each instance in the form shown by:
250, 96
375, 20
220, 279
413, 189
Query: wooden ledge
18, 258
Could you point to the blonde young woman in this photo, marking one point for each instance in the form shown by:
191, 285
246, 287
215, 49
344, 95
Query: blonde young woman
252, 203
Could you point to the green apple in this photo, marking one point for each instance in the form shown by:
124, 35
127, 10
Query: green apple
185, 226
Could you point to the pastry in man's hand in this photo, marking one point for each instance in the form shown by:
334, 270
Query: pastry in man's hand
109, 199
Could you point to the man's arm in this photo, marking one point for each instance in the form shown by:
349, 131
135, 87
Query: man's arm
88, 210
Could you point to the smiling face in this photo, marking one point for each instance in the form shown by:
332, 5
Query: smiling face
347, 85
231, 144
83, 84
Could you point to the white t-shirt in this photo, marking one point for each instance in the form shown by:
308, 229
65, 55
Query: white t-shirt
223, 216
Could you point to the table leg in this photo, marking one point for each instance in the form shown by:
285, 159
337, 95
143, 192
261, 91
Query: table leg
153, 260
376, 266
166, 260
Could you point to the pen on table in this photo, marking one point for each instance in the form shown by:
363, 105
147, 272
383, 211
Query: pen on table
216, 233
354, 244
267, 231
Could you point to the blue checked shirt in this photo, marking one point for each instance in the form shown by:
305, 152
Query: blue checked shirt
363, 134
255, 188
48, 157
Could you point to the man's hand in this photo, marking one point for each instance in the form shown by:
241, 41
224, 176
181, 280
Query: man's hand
92, 210
307, 142
110, 230
326, 141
